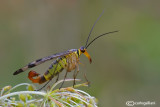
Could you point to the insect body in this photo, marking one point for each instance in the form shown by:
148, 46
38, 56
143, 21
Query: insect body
68, 60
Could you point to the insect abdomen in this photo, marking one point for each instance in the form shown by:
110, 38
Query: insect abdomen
55, 68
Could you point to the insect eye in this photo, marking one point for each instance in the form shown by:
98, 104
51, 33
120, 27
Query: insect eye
83, 51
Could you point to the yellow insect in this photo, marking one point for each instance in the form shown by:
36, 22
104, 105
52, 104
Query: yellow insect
68, 60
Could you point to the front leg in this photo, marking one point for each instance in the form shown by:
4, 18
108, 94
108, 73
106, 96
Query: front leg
86, 79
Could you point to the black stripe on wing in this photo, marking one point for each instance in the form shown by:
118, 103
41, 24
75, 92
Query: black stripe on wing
42, 60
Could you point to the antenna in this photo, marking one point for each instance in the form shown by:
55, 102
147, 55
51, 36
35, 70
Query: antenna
99, 37
93, 27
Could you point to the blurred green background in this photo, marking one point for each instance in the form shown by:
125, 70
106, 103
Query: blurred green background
125, 64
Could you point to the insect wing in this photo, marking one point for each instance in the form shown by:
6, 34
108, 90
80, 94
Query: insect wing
42, 60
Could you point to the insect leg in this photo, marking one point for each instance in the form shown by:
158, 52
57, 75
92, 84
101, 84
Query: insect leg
43, 85
57, 77
74, 76
63, 80
86, 79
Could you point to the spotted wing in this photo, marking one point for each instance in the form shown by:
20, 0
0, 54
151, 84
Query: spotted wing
42, 60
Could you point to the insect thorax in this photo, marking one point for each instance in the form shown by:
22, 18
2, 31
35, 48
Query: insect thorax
72, 61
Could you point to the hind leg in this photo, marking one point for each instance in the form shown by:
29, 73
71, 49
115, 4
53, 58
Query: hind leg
63, 80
